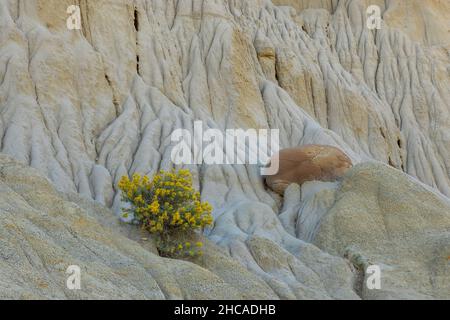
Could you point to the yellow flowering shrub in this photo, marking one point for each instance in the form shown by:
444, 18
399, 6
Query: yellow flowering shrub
168, 207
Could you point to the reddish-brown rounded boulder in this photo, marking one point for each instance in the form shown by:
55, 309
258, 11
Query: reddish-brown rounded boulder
309, 163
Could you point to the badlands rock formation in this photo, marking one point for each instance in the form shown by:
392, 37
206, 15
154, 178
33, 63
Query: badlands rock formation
42, 232
308, 163
379, 216
85, 107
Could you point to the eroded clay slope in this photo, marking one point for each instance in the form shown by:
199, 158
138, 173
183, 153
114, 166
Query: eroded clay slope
378, 216
86, 107
43, 232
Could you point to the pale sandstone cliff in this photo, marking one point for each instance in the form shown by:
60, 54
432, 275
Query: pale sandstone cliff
86, 107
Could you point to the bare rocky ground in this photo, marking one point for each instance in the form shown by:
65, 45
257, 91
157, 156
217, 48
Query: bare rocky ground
79, 109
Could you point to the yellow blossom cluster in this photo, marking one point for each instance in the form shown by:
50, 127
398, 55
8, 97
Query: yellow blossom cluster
187, 249
166, 204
